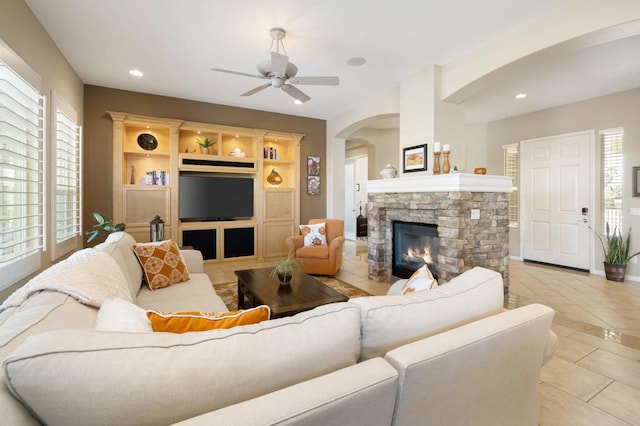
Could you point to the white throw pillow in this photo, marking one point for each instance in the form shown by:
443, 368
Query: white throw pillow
420, 280
314, 235
120, 315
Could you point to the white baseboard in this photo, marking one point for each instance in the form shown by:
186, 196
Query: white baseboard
633, 278
516, 258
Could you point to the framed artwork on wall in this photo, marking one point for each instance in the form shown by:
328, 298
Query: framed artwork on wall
635, 177
313, 185
414, 158
313, 166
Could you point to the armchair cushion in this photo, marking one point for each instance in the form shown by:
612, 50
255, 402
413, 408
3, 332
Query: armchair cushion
314, 252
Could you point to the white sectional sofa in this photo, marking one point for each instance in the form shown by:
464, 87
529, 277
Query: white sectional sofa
451, 356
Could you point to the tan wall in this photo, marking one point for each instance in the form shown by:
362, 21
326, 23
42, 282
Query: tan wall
606, 112
98, 139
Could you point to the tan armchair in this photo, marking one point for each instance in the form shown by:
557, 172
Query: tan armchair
320, 260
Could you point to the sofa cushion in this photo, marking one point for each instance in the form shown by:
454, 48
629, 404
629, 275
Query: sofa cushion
362, 394
69, 376
391, 321
197, 294
119, 245
184, 322
162, 263
120, 315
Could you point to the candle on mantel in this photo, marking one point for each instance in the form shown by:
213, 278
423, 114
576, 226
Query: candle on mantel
436, 147
446, 147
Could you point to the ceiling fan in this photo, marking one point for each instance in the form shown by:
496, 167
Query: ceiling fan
280, 72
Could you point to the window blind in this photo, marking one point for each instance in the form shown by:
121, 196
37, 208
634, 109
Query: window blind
510, 162
611, 178
67, 178
21, 176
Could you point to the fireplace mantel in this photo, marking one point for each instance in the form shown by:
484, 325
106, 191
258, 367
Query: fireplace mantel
457, 182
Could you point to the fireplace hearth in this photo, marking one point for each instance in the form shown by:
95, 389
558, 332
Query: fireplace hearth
413, 245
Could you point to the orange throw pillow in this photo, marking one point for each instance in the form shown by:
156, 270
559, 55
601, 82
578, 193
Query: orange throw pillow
183, 322
162, 263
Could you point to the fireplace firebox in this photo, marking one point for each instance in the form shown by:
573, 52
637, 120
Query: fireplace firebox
414, 244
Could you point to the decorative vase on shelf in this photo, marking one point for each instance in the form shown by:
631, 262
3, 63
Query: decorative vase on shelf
389, 172
274, 178
204, 150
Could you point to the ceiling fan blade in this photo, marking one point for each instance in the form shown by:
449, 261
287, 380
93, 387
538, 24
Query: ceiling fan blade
295, 93
279, 64
319, 81
236, 73
256, 90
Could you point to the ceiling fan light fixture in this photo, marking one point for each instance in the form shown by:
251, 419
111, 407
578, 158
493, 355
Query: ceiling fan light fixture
280, 73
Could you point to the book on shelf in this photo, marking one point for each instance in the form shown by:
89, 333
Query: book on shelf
270, 153
157, 177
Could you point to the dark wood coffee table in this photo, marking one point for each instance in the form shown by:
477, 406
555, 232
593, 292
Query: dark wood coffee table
257, 287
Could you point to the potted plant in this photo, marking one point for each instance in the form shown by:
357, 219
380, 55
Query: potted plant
205, 144
616, 253
104, 225
285, 269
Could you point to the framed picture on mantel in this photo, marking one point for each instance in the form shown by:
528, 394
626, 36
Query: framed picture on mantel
414, 158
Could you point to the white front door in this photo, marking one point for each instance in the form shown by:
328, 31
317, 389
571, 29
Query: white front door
556, 190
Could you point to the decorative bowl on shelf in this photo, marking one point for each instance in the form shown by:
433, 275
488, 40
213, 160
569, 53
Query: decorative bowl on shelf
480, 171
389, 172
237, 153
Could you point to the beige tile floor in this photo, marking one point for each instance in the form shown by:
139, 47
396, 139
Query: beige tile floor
594, 378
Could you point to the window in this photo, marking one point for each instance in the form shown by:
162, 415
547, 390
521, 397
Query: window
21, 169
65, 164
611, 177
510, 155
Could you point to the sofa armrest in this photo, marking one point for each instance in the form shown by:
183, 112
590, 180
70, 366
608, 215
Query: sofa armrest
360, 394
484, 372
193, 260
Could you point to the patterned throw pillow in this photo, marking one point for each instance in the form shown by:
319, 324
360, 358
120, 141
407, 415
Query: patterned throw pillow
183, 322
421, 279
314, 235
162, 263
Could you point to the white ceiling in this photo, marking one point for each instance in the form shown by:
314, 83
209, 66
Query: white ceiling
175, 43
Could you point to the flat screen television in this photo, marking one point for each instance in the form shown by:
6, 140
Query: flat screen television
209, 197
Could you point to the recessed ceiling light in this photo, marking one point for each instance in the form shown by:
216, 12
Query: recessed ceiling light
521, 95
357, 61
297, 102
136, 73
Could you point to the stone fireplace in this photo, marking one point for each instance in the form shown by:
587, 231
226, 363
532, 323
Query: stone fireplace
469, 211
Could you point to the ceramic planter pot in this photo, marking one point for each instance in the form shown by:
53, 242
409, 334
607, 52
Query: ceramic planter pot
615, 272
285, 277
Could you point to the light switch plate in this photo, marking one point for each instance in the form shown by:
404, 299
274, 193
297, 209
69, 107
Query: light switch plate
634, 211
475, 214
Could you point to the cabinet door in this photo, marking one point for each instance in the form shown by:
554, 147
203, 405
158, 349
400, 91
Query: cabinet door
275, 235
279, 205
141, 204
